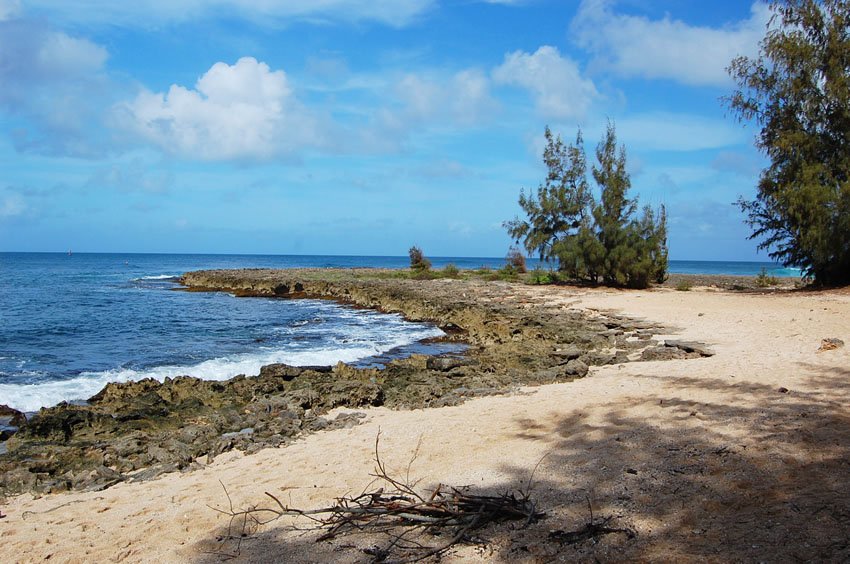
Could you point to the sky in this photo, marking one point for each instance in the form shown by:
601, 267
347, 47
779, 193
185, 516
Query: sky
359, 127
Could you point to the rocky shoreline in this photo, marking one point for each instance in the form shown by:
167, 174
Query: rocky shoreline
139, 430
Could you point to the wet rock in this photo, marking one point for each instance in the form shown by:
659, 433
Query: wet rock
11, 417
282, 371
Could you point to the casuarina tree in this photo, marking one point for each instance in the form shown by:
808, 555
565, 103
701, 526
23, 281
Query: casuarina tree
592, 237
798, 91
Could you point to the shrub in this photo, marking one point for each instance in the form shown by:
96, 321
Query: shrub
764, 280
539, 276
683, 285
451, 271
418, 261
516, 260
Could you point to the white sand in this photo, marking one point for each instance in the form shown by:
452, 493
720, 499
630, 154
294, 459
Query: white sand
705, 459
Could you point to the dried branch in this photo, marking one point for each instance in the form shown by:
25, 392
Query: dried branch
396, 511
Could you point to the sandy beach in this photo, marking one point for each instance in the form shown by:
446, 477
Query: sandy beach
742, 456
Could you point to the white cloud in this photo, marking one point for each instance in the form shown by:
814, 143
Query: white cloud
240, 111
56, 82
555, 81
147, 13
635, 46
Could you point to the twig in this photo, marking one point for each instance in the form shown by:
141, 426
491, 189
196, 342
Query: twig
396, 511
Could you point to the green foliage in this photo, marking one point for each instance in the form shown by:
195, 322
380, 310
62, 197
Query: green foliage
798, 92
418, 261
507, 272
684, 285
763, 280
561, 203
516, 260
539, 276
451, 271
592, 239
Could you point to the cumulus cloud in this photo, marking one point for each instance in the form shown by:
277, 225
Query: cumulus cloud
636, 46
556, 83
147, 13
240, 111
54, 80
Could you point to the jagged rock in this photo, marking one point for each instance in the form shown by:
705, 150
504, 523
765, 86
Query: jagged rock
830, 344
663, 353
568, 352
599, 358
287, 372
576, 368
11, 417
446, 363
690, 346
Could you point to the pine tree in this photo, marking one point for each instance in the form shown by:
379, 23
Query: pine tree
798, 92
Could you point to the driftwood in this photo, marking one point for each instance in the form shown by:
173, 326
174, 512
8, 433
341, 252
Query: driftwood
408, 520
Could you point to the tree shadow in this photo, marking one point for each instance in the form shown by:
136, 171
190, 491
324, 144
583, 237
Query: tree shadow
755, 474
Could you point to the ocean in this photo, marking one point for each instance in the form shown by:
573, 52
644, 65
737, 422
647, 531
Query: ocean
71, 323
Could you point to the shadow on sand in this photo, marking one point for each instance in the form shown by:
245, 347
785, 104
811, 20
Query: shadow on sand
762, 474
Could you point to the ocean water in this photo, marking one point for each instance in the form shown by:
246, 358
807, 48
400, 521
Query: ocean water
71, 323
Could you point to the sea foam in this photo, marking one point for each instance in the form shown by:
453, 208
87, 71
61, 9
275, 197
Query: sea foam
32, 397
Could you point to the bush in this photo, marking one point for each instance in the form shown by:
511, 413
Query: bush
516, 260
451, 271
684, 285
539, 276
764, 280
418, 261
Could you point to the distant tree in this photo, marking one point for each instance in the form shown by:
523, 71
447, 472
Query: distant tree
418, 261
798, 91
592, 240
515, 260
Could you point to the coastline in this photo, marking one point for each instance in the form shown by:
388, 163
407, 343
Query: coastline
136, 431
717, 448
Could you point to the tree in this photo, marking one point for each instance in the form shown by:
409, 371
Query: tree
798, 91
561, 203
592, 240
418, 261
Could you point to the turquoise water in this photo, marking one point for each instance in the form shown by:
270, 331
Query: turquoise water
70, 324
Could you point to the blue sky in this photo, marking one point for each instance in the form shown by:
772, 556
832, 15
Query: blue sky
357, 126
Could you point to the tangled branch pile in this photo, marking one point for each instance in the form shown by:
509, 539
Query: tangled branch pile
400, 514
